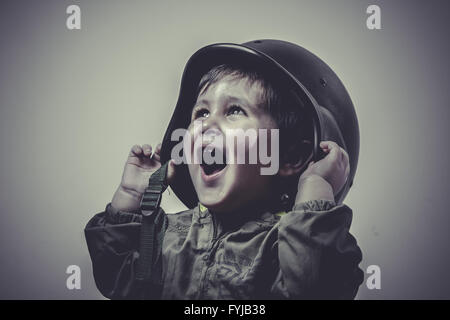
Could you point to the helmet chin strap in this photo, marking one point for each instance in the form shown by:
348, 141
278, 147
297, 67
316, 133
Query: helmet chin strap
153, 227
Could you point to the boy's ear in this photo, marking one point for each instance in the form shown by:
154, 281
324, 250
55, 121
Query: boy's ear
296, 159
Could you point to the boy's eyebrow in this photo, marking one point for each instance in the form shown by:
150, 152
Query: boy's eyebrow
246, 103
238, 100
229, 98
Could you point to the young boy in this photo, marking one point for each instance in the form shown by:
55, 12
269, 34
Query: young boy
237, 243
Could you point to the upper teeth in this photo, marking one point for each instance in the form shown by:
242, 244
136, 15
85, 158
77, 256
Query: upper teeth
213, 154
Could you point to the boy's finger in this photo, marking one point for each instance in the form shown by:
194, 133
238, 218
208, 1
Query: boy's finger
155, 156
332, 144
158, 148
147, 150
136, 150
326, 145
345, 155
171, 169
334, 153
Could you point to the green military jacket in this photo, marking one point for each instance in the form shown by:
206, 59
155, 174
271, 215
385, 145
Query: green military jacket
307, 253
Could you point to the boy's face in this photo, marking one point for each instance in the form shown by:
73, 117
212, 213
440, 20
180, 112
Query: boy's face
230, 104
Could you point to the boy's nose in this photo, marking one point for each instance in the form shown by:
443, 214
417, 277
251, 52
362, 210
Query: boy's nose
209, 135
207, 128
210, 122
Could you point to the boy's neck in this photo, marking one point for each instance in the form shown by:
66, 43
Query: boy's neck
238, 217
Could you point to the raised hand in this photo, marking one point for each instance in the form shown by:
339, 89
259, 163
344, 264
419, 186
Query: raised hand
141, 163
325, 178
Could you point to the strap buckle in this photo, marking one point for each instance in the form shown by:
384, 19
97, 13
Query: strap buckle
150, 201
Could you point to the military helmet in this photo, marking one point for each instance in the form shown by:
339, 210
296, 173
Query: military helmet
305, 76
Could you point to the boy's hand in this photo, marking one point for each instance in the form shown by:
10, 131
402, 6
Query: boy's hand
140, 165
326, 177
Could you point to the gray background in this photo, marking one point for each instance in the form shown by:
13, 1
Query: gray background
72, 103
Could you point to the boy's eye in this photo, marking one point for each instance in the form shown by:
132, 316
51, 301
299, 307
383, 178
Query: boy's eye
236, 110
200, 113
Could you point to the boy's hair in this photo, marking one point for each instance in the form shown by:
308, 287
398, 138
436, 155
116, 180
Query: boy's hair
295, 129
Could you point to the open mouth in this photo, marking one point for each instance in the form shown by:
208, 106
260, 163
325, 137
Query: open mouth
219, 161
210, 169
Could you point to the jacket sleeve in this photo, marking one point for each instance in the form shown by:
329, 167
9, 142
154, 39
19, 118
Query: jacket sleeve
318, 257
112, 238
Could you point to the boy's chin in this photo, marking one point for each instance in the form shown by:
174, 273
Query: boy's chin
214, 204
224, 204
